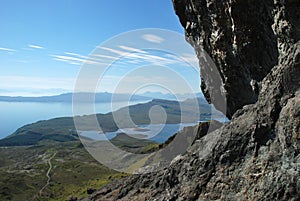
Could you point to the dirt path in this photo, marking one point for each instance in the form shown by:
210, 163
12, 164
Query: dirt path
47, 174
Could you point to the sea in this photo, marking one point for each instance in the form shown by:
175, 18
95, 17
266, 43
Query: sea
14, 115
155, 132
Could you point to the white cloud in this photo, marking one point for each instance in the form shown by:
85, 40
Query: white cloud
127, 56
67, 61
35, 46
76, 55
118, 52
131, 49
135, 56
104, 56
131, 55
153, 38
7, 49
185, 57
77, 59
67, 58
190, 58
75, 63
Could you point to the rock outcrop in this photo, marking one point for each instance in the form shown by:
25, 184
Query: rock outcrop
244, 39
255, 45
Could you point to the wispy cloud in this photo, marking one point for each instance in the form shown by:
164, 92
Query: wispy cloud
127, 56
7, 49
187, 57
153, 38
35, 46
115, 51
131, 49
76, 55
131, 55
102, 56
67, 61
77, 59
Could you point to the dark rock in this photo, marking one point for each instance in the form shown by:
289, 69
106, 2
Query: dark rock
207, 127
72, 198
238, 36
90, 191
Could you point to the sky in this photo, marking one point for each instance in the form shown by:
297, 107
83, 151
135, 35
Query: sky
44, 46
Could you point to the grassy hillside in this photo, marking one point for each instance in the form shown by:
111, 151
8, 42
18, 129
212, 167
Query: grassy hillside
132, 144
23, 172
23, 169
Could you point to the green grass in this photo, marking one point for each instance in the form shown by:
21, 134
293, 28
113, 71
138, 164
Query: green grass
150, 148
137, 165
126, 141
80, 191
23, 172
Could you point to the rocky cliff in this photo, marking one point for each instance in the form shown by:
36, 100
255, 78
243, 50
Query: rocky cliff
255, 46
244, 39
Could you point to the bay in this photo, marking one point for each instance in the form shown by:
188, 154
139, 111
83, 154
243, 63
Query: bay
155, 132
13, 115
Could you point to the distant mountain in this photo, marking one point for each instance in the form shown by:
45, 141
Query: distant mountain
102, 97
80, 97
169, 96
159, 95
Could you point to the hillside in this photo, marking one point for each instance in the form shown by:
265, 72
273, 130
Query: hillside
23, 172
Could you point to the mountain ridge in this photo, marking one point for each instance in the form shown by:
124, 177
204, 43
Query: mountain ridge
99, 97
80, 97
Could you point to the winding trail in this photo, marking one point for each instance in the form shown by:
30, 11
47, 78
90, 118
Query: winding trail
47, 174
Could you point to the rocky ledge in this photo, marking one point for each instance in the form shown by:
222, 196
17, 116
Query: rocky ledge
255, 46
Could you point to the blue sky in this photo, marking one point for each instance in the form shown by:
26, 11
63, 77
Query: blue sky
44, 43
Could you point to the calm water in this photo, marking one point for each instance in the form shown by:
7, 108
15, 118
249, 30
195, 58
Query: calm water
156, 132
13, 115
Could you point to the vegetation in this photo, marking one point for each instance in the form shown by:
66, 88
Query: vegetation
23, 169
131, 144
23, 172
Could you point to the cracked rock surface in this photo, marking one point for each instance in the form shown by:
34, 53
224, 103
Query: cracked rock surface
255, 46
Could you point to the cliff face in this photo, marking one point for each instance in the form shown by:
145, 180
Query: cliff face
255, 45
244, 39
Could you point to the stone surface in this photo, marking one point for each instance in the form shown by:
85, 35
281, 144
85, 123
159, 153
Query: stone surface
256, 155
239, 38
